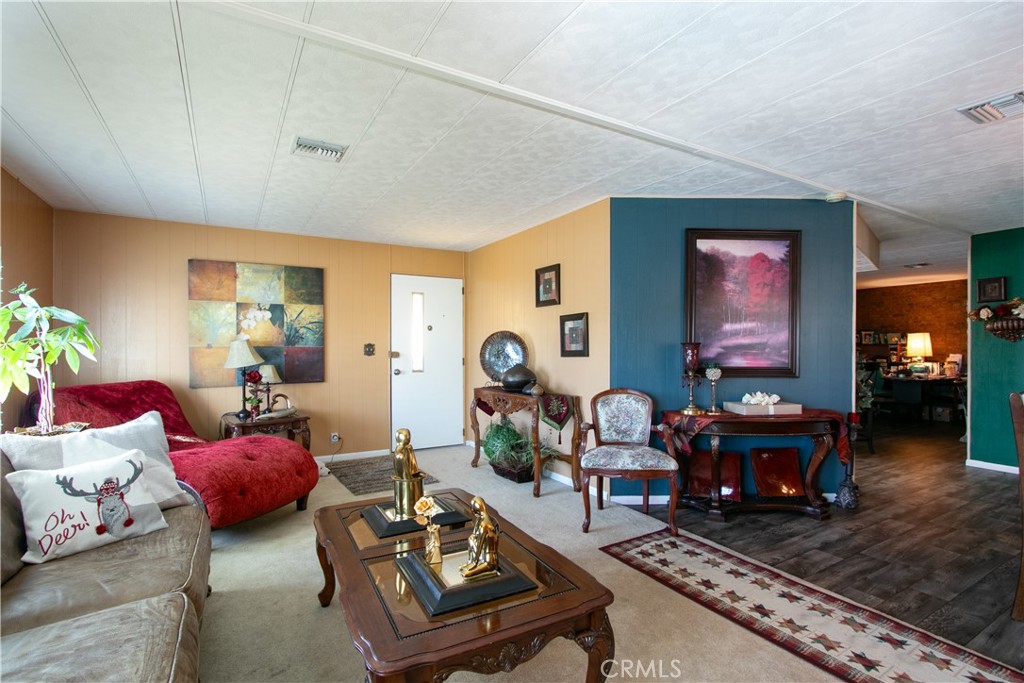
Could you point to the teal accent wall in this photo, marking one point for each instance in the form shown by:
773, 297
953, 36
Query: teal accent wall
996, 365
648, 280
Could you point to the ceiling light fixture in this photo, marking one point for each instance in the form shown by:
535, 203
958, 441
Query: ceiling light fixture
916, 265
995, 108
833, 197
318, 149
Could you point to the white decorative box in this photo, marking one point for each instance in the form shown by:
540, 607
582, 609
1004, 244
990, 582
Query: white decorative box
780, 408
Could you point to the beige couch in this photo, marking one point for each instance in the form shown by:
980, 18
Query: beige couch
128, 611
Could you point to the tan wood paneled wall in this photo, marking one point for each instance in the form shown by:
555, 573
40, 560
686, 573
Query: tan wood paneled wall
26, 255
129, 278
500, 296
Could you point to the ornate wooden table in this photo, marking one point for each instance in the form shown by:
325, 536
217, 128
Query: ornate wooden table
825, 428
400, 642
295, 425
507, 402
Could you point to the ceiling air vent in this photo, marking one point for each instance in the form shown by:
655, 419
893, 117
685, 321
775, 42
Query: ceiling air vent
996, 109
318, 149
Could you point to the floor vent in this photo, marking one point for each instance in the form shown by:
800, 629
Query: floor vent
318, 149
996, 109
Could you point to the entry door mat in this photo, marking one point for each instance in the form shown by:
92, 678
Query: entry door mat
848, 640
368, 475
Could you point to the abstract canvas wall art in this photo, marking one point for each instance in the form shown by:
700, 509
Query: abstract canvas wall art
280, 308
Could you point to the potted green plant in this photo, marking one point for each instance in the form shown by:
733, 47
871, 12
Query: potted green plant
510, 452
32, 348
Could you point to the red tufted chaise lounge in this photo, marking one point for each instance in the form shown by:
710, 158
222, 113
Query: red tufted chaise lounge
238, 479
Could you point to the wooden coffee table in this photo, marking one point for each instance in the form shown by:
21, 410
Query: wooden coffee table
399, 641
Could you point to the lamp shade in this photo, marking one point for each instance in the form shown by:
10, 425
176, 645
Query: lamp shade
919, 344
269, 373
241, 354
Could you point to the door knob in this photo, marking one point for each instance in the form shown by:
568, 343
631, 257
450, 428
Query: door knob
397, 371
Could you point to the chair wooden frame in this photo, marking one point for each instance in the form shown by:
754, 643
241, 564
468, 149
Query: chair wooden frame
1017, 419
644, 475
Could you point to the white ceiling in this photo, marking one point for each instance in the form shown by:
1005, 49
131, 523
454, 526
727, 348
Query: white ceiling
470, 121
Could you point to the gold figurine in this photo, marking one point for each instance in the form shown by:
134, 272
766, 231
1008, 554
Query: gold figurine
407, 477
482, 556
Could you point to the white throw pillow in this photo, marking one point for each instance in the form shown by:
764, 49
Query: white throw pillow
145, 433
85, 506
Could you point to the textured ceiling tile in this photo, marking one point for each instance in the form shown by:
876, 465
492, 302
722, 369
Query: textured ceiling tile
41, 95
938, 71
598, 42
858, 35
726, 38
19, 157
141, 99
238, 75
396, 25
489, 39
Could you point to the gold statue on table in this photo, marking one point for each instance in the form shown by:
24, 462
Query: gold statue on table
482, 555
407, 477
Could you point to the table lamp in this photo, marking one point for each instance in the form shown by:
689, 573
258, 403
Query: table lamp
919, 345
242, 355
270, 376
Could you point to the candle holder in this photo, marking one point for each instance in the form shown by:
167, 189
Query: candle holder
691, 362
713, 373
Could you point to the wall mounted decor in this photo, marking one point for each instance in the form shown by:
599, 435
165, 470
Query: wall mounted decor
991, 289
574, 334
280, 308
547, 285
743, 300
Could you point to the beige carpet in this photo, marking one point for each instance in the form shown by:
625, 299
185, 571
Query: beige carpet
263, 621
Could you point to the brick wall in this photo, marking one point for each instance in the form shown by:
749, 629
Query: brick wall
939, 308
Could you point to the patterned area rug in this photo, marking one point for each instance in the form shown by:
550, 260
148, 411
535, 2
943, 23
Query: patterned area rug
848, 640
368, 475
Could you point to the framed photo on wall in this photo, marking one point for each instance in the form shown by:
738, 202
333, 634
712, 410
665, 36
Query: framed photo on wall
574, 334
991, 289
547, 285
743, 300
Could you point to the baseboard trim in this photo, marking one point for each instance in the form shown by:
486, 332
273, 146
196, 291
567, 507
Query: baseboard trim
327, 459
982, 465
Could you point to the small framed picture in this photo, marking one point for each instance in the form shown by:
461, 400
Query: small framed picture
991, 289
548, 286
574, 334
867, 337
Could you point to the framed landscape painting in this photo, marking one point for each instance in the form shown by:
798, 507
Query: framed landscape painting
743, 300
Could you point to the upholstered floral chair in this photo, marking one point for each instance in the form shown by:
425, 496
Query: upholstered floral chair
622, 432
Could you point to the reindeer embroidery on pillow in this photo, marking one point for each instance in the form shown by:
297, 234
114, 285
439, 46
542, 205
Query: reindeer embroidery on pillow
113, 511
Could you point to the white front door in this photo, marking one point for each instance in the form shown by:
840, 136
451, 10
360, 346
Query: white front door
427, 365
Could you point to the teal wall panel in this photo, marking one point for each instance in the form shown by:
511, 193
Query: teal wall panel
648, 316
996, 366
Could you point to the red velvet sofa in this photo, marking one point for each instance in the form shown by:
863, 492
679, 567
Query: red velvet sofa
238, 479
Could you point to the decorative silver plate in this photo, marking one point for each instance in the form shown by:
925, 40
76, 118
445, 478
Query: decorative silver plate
501, 351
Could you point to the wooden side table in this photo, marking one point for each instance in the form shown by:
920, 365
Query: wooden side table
506, 402
231, 427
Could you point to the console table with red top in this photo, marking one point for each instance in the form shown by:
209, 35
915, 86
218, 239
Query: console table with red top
826, 428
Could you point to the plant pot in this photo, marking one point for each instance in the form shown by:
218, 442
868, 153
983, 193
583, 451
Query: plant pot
1010, 329
519, 476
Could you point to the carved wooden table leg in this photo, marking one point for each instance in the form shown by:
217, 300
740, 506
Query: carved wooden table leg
535, 434
328, 591
822, 447
475, 424
715, 513
577, 420
599, 644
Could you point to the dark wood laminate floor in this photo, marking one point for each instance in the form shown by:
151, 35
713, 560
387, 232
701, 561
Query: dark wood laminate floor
934, 543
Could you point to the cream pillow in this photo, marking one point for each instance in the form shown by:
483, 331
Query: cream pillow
145, 433
85, 506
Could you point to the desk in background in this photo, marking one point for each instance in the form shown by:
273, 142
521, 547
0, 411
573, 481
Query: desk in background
927, 393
